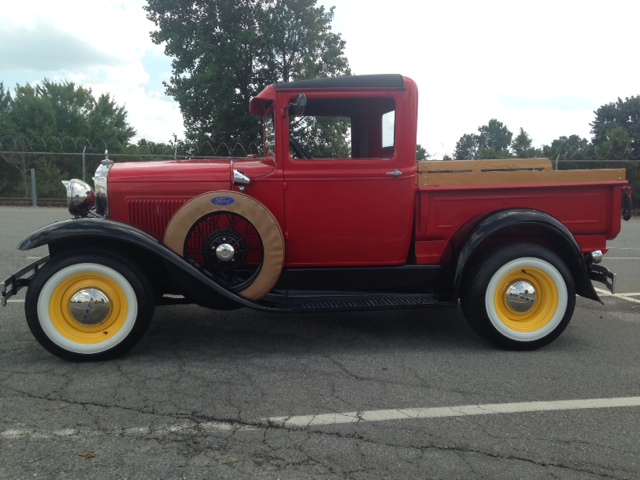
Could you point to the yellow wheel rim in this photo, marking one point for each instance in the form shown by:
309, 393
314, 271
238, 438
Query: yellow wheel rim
66, 323
541, 307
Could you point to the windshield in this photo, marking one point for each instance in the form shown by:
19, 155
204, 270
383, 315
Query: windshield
268, 134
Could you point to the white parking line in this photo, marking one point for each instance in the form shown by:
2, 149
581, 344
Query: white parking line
443, 412
183, 428
621, 296
195, 428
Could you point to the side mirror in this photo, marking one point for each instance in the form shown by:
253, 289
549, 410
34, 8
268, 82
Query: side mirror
297, 108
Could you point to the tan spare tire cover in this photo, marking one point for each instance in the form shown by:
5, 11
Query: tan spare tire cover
245, 206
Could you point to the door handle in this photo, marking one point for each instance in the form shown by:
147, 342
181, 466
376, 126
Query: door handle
395, 173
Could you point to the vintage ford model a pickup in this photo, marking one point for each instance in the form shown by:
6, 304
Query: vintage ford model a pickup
295, 229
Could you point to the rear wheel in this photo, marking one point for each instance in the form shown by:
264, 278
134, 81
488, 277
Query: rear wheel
520, 297
88, 307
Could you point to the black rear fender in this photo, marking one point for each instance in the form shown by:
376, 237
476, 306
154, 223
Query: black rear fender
520, 225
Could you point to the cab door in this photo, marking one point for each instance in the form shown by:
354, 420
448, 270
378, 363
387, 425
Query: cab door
347, 203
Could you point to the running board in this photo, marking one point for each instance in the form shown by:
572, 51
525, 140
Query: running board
365, 302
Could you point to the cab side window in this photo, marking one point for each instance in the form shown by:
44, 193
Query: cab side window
335, 128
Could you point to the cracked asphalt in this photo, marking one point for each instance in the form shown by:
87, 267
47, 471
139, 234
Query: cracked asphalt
194, 399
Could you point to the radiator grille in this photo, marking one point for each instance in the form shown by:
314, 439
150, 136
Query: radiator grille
153, 215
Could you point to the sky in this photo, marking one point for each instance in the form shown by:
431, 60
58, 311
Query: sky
543, 66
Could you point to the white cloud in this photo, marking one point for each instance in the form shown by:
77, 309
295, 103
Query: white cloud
101, 45
544, 66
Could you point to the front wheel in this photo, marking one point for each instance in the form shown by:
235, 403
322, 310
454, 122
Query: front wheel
88, 306
520, 297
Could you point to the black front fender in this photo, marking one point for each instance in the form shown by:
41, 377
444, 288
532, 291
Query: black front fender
85, 228
117, 236
542, 224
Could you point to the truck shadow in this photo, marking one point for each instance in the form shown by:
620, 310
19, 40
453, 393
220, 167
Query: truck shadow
193, 329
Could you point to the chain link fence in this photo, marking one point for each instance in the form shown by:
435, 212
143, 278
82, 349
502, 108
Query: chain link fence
33, 177
51, 160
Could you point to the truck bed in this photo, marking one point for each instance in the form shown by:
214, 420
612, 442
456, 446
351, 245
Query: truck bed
458, 192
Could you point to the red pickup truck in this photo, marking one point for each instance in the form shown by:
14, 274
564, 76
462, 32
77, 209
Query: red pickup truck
296, 228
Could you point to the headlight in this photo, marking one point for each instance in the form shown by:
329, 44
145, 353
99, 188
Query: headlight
80, 197
100, 181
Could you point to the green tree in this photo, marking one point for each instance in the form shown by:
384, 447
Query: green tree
492, 141
71, 106
421, 153
573, 147
48, 179
107, 124
616, 136
57, 117
11, 182
145, 147
616, 145
29, 120
225, 51
466, 147
522, 146
624, 115
6, 102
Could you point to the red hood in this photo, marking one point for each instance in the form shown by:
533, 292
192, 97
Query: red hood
172, 171
147, 194
155, 190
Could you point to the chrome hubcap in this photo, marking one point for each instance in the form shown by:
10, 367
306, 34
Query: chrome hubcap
521, 296
225, 252
90, 306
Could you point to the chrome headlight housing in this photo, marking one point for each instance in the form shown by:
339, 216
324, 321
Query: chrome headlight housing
80, 197
100, 181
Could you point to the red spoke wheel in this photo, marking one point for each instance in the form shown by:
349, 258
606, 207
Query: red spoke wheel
227, 248
232, 238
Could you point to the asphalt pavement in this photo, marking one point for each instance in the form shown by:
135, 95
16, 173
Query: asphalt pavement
403, 394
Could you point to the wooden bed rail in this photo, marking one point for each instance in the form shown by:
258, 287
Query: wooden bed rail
512, 171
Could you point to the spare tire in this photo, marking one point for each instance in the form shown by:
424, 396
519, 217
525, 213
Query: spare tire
232, 238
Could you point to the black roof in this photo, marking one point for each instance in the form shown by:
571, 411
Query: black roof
353, 81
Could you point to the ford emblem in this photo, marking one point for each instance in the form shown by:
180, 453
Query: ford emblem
222, 200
